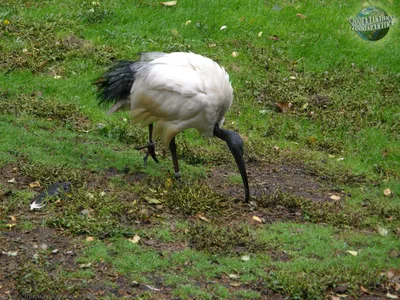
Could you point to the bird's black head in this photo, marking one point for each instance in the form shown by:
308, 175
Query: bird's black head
235, 144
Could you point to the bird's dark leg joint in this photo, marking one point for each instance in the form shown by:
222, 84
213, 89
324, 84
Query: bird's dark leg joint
151, 147
151, 150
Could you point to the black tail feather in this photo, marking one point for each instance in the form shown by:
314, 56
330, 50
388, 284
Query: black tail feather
116, 83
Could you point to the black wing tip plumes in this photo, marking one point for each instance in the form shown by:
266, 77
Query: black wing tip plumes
116, 83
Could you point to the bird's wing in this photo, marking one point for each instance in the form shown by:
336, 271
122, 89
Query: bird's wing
182, 80
172, 96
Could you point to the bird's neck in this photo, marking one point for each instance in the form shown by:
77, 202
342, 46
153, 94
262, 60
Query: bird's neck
220, 133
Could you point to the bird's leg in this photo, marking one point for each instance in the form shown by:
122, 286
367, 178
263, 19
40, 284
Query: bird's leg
172, 148
151, 147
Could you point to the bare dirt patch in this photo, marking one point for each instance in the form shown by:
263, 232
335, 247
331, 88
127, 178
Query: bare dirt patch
267, 179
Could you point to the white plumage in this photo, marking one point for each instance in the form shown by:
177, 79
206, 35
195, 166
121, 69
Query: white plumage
170, 93
177, 91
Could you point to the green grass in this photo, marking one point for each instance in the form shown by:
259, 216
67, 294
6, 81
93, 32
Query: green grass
342, 130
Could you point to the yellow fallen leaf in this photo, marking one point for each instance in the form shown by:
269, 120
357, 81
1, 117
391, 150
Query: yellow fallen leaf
260, 34
34, 184
168, 183
13, 218
12, 180
390, 296
312, 139
90, 239
168, 3
212, 45
135, 239
354, 253
151, 200
233, 276
235, 54
334, 197
188, 22
387, 192
10, 226
255, 218
234, 284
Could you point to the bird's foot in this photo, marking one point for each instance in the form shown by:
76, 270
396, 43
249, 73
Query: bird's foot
151, 150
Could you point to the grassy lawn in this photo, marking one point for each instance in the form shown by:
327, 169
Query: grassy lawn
324, 171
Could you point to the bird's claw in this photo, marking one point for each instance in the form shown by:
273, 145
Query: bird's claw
151, 150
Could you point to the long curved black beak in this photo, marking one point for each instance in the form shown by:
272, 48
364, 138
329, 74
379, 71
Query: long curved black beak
235, 144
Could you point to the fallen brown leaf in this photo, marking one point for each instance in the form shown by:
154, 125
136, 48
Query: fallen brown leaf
391, 273
396, 286
364, 290
202, 217
34, 184
284, 106
301, 16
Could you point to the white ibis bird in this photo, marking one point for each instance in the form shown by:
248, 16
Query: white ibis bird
170, 93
